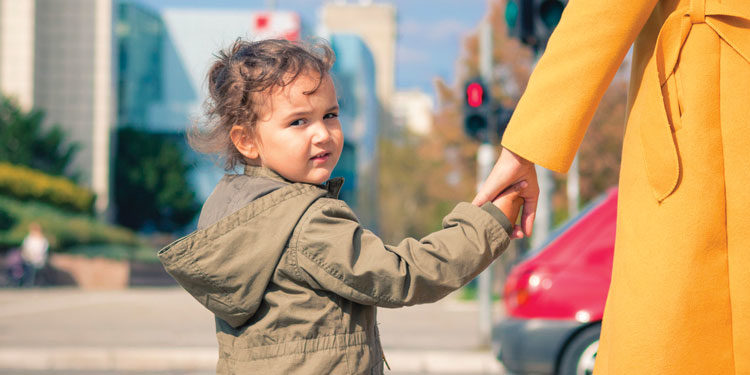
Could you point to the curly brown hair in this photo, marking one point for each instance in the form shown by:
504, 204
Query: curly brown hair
235, 79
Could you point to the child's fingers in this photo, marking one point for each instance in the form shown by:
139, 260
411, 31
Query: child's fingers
511, 200
517, 232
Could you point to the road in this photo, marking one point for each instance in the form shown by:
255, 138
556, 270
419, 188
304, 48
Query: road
150, 331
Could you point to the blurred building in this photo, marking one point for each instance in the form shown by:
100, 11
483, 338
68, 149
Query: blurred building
57, 56
375, 23
354, 77
190, 40
140, 35
17, 50
163, 61
73, 81
413, 110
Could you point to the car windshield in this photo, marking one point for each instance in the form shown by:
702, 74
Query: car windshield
566, 225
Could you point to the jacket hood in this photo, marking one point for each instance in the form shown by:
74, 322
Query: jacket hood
243, 229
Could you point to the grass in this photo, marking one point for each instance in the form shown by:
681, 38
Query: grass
470, 292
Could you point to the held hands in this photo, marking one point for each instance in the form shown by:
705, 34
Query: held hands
510, 170
510, 201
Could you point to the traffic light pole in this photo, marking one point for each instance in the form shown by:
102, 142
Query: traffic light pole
573, 188
486, 158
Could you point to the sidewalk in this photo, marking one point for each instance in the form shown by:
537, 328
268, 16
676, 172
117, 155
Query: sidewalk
164, 331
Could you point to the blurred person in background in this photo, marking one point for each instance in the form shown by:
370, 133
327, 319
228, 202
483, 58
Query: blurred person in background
679, 300
34, 253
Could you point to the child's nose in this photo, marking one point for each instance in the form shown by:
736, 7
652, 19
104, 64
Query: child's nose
321, 132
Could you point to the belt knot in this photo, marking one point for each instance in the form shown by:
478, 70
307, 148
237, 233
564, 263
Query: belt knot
659, 149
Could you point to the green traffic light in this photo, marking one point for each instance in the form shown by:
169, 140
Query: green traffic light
511, 14
551, 11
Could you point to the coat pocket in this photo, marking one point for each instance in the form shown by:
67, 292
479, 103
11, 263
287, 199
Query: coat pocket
672, 103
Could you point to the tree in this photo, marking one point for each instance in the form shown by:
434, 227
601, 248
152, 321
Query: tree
24, 140
423, 178
151, 187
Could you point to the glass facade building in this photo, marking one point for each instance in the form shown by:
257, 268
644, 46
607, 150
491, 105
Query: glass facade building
354, 77
163, 61
140, 34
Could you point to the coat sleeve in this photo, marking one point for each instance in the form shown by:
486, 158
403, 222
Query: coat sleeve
334, 253
581, 59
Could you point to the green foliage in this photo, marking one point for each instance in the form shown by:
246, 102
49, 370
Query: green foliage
27, 184
470, 292
144, 254
63, 229
151, 187
6, 220
24, 140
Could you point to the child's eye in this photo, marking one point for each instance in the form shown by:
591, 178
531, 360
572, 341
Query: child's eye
330, 115
297, 122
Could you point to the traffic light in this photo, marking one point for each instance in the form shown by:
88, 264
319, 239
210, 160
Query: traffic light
485, 119
519, 16
532, 21
548, 13
476, 109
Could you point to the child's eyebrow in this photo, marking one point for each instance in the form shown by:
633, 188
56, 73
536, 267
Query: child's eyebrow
306, 113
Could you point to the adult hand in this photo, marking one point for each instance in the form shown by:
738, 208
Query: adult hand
510, 169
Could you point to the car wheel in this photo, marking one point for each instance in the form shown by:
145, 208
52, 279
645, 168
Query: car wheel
579, 355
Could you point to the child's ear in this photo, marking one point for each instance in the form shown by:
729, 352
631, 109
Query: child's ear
244, 142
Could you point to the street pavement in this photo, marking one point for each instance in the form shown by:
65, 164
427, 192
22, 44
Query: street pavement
150, 331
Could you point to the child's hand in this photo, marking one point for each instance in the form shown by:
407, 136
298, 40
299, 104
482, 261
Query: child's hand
509, 201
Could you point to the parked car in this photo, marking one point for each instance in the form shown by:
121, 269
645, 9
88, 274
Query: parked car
554, 298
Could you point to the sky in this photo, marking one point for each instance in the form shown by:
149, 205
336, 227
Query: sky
429, 38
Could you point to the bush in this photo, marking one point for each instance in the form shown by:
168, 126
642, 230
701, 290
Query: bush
6, 220
28, 184
63, 229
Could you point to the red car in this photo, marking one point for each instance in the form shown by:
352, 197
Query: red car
555, 297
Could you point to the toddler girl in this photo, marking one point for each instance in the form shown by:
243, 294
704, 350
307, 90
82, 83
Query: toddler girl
291, 276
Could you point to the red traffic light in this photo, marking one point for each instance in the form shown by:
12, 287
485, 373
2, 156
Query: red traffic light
474, 94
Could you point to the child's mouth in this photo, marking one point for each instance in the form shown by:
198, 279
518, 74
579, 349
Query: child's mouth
322, 157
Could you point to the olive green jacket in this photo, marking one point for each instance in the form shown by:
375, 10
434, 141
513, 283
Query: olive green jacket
294, 279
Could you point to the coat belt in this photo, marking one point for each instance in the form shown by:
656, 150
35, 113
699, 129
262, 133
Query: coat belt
659, 147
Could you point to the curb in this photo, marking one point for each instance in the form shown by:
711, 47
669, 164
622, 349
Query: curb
204, 358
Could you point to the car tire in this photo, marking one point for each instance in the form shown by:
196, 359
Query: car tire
579, 355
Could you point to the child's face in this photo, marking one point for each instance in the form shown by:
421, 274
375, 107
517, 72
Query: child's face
299, 135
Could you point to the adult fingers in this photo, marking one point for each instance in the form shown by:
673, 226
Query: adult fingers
496, 182
529, 214
508, 169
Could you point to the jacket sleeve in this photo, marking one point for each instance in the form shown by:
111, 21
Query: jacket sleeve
334, 253
582, 56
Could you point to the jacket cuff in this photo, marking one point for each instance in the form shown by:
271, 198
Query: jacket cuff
499, 216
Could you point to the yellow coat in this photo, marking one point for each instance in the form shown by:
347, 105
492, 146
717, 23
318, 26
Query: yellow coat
679, 302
